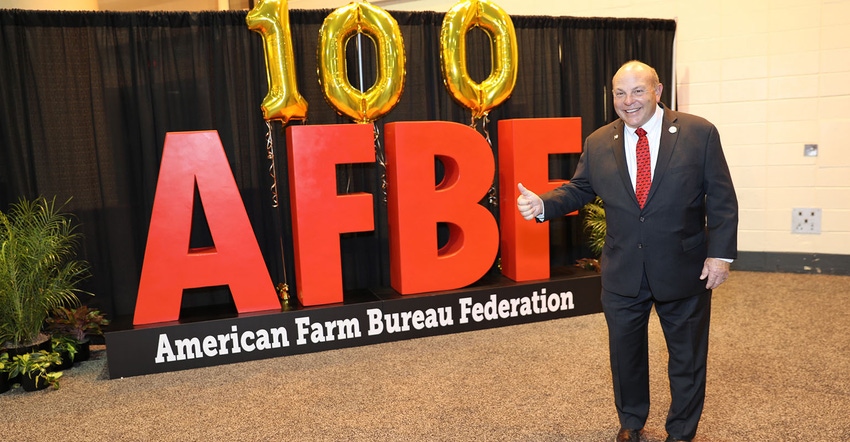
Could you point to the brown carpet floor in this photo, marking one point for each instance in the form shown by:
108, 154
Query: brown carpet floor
779, 370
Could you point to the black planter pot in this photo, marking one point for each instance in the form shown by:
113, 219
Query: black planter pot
5, 384
67, 362
83, 351
65, 356
17, 351
44, 345
33, 383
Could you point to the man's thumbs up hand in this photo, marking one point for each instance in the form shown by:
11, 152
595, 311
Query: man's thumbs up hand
528, 203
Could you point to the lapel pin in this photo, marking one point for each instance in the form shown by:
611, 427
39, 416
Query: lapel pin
672, 129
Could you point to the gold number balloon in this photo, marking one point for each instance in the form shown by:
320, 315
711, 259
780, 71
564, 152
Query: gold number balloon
498, 86
283, 102
378, 25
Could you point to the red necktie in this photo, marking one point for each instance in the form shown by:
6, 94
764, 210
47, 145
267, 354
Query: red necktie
644, 167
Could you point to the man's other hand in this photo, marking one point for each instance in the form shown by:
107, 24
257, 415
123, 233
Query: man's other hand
714, 272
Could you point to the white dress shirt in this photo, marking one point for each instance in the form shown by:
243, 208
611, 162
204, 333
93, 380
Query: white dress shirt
653, 135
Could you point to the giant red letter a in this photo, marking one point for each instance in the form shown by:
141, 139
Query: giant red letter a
170, 265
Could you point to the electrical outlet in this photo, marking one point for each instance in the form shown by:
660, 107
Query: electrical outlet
810, 150
806, 221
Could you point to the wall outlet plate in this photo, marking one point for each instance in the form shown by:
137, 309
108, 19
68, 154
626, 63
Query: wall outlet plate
810, 150
806, 220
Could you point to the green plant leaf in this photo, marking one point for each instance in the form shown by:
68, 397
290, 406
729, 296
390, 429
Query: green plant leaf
39, 271
595, 225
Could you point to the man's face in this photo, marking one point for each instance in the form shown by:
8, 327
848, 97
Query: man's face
635, 96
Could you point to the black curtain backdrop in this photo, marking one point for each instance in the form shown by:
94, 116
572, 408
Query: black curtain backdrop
88, 98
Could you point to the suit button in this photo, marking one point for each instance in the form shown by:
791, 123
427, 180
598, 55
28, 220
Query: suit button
642, 219
640, 246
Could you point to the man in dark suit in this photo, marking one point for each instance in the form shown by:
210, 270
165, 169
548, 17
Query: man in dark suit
672, 219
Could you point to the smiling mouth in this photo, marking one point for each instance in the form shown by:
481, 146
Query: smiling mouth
631, 111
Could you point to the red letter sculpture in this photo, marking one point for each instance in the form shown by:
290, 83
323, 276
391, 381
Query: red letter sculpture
416, 204
319, 215
524, 148
170, 264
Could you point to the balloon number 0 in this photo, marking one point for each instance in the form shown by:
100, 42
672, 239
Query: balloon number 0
337, 29
498, 86
270, 18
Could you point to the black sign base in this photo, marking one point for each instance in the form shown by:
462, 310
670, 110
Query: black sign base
371, 318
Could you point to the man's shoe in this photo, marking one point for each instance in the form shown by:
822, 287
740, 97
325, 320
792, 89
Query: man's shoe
672, 439
629, 435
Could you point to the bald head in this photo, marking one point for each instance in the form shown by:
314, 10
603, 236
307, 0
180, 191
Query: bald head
637, 92
640, 68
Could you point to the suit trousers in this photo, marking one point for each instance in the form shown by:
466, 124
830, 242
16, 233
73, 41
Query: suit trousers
685, 324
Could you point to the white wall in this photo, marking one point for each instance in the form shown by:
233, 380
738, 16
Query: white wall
773, 75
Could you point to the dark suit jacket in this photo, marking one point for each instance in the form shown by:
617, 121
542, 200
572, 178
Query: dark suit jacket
691, 212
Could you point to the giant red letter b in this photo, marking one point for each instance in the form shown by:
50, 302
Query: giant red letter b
416, 204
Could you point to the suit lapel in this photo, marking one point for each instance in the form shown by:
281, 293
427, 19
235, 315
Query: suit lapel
619, 146
669, 137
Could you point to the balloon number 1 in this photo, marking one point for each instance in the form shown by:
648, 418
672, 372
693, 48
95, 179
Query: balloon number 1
283, 102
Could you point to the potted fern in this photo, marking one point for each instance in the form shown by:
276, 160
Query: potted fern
77, 324
39, 271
